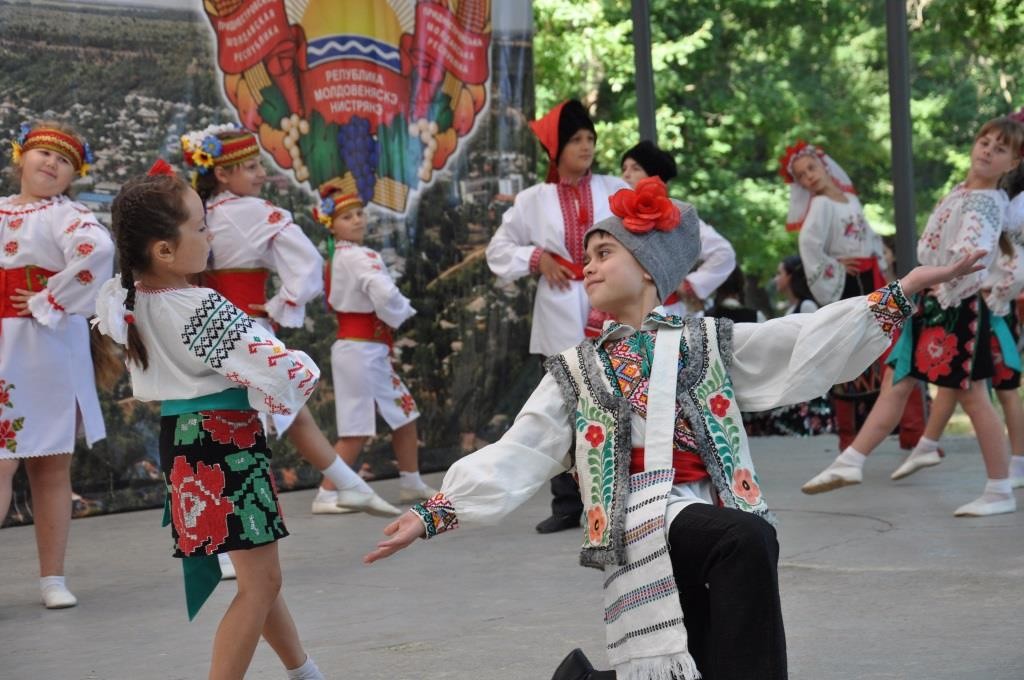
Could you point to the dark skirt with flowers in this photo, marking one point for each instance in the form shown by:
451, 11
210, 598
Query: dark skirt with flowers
221, 492
807, 418
1005, 378
952, 347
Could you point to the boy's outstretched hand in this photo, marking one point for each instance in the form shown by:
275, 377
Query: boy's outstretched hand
402, 531
926, 276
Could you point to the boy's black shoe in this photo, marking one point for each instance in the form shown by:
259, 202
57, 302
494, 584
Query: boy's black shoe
576, 666
558, 523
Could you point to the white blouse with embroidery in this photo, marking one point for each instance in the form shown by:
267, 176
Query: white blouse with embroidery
45, 362
830, 231
964, 221
535, 221
199, 344
250, 233
782, 361
361, 282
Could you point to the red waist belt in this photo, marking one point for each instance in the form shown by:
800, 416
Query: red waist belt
242, 287
687, 464
363, 326
576, 269
870, 264
29, 277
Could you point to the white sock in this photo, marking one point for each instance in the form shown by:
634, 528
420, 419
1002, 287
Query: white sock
997, 489
925, 445
344, 477
851, 457
307, 671
47, 581
1017, 465
410, 480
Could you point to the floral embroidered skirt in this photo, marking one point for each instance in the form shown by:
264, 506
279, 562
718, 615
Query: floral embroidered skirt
805, 419
221, 491
952, 347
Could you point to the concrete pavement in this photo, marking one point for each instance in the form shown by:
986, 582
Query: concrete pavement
879, 581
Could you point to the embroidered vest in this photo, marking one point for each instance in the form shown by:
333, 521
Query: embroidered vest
603, 444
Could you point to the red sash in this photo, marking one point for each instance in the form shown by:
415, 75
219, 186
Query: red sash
688, 465
363, 326
576, 269
870, 264
242, 287
28, 277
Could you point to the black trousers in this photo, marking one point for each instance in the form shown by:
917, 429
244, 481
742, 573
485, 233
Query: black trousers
565, 494
726, 567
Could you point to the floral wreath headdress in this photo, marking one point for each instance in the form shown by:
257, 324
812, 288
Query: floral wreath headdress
799, 197
203, 150
334, 200
72, 147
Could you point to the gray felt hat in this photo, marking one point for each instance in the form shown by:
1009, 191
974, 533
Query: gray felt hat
668, 256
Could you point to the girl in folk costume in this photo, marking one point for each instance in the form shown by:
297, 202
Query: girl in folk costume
649, 413
717, 258
842, 257
369, 308
954, 340
542, 234
55, 257
214, 369
253, 238
808, 418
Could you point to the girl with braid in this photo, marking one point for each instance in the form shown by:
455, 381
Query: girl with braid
214, 370
53, 259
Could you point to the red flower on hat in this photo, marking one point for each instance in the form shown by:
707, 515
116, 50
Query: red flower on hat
646, 207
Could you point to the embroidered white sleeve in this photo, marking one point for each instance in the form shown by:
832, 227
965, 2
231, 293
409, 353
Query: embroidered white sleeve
373, 276
88, 263
509, 251
981, 219
489, 484
825, 274
300, 268
229, 341
798, 357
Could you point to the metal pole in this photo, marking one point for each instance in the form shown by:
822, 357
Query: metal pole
644, 70
899, 116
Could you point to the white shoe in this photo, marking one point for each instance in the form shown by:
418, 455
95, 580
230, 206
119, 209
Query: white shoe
353, 500
834, 476
980, 507
416, 494
227, 568
58, 597
326, 503
916, 460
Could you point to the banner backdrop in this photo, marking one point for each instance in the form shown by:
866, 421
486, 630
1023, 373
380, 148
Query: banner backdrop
420, 107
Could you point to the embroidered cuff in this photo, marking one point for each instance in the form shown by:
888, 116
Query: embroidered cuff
285, 312
45, 309
437, 515
890, 307
535, 260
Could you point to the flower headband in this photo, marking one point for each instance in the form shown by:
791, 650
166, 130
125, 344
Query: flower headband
334, 200
71, 147
798, 150
203, 150
646, 207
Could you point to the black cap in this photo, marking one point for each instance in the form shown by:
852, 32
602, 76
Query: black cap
654, 161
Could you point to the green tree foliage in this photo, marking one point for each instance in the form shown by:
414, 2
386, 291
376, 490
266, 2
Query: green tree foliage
738, 80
